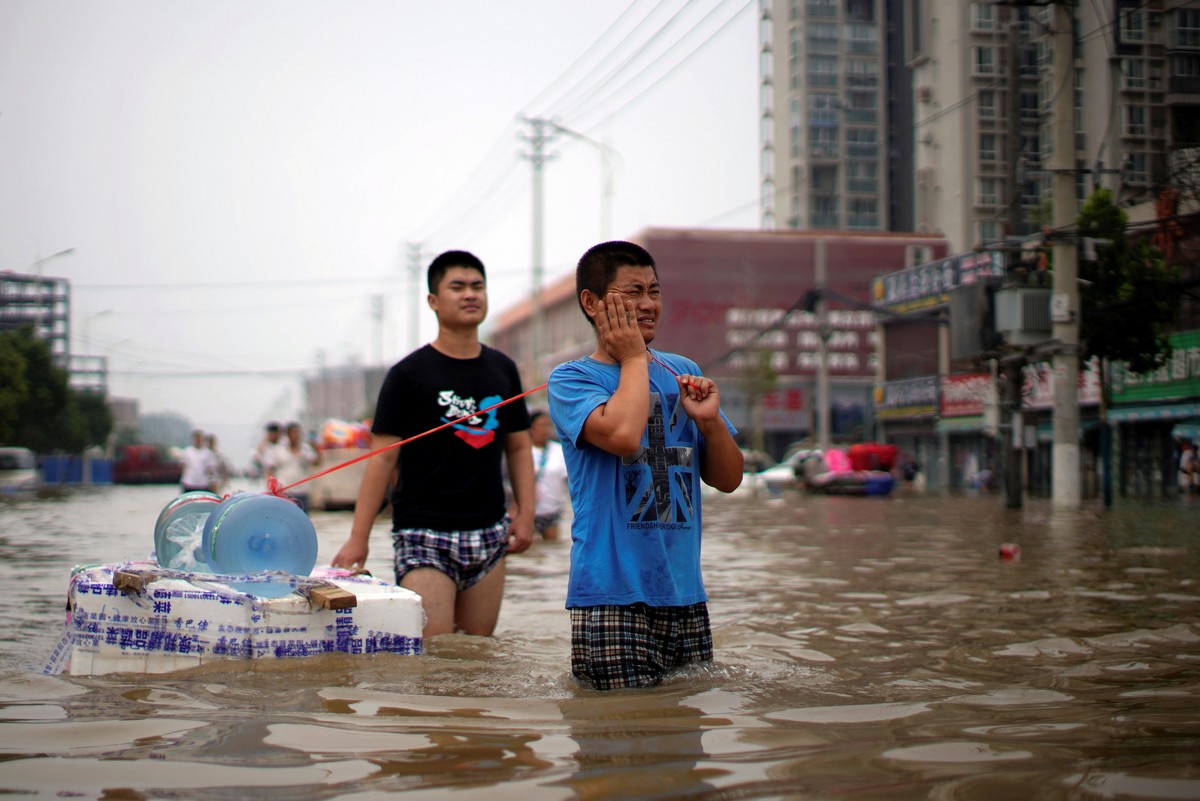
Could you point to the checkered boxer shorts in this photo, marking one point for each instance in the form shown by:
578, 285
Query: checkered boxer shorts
636, 645
464, 556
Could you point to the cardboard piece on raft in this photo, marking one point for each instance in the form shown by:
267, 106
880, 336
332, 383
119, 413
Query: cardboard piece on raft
176, 620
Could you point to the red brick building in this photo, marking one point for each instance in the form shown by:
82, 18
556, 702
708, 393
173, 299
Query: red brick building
733, 300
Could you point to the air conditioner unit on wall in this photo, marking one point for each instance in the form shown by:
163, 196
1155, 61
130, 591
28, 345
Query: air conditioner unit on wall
1023, 315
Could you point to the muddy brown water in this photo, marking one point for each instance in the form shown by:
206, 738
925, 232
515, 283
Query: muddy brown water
865, 648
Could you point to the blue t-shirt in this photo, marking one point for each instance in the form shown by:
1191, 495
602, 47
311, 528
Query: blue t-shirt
636, 533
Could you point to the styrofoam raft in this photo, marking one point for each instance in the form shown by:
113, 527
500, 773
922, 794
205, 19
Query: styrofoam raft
181, 620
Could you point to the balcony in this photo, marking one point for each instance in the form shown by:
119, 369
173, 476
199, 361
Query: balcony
1183, 85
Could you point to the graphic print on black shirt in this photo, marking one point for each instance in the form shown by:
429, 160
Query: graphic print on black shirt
655, 494
472, 428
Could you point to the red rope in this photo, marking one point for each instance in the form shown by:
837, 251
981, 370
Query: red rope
273, 484
273, 487
669, 370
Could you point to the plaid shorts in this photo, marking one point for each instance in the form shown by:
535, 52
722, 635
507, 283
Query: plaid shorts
636, 645
464, 556
543, 522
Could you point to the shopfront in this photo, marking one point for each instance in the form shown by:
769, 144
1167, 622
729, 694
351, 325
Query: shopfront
1154, 412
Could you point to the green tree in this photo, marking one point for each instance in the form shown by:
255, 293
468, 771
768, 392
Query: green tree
1129, 299
96, 415
757, 379
1127, 294
46, 418
13, 388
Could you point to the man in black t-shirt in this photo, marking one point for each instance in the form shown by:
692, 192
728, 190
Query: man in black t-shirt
450, 530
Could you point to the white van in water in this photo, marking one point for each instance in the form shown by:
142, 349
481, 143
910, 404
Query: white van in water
18, 470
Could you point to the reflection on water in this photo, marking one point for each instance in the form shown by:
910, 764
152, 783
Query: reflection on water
868, 648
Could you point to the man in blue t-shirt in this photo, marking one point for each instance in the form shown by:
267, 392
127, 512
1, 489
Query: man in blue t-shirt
640, 430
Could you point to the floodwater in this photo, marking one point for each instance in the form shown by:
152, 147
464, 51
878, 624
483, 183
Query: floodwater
865, 648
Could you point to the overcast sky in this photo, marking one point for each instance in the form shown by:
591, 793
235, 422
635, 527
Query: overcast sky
237, 181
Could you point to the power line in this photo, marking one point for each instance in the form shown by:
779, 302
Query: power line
225, 286
450, 220
1115, 21
640, 51
670, 71
565, 96
479, 175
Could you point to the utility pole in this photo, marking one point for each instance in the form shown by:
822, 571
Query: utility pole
1012, 366
1065, 298
1014, 156
377, 318
541, 134
606, 176
414, 303
1013, 370
824, 434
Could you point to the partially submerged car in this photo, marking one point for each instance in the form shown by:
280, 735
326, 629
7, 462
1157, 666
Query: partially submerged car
18, 470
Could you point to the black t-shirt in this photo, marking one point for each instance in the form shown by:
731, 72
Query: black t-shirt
450, 480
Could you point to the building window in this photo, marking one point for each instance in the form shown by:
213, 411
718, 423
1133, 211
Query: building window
1031, 194
822, 141
862, 176
988, 191
1027, 62
1133, 72
1135, 120
862, 106
862, 142
1136, 169
1133, 26
989, 231
1187, 28
1030, 111
825, 9
822, 38
822, 109
985, 61
824, 211
987, 104
987, 147
860, 10
862, 72
863, 213
824, 179
1185, 65
862, 38
1031, 150
983, 17
822, 71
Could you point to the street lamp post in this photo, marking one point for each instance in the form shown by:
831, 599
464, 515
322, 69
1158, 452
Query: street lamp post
606, 155
87, 323
38, 264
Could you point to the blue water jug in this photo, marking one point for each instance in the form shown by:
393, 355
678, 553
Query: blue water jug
180, 527
251, 532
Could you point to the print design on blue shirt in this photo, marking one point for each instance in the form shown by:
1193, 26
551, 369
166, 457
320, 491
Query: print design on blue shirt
650, 493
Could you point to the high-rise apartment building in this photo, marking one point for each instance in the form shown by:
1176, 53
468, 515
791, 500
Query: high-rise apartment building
829, 119
936, 115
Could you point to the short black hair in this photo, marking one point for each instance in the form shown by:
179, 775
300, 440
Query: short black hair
272, 426
598, 267
536, 413
451, 258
